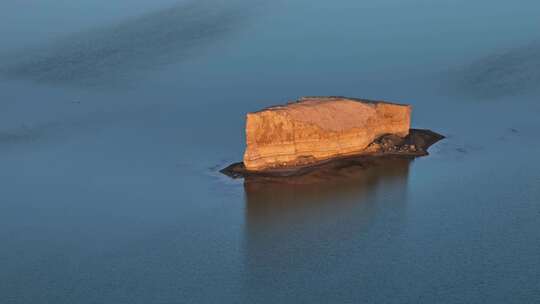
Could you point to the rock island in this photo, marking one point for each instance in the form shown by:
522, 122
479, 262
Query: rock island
315, 130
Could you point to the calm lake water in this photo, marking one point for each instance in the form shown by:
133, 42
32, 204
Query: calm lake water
116, 117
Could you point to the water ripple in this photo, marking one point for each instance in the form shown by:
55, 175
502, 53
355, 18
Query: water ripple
512, 72
116, 53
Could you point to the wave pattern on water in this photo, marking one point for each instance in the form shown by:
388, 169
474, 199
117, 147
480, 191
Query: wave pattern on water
513, 72
116, 53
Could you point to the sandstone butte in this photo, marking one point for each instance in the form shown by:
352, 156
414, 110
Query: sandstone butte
314, 129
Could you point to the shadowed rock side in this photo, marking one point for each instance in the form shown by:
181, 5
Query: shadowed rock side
114, 53
314, 129
515, 71
386, 148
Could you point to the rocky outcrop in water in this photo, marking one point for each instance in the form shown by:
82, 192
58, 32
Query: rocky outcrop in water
315, 129
327, 133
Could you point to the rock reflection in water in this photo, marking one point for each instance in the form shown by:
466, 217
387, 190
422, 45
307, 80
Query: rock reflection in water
294, 223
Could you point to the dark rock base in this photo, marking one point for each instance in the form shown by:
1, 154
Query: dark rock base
390, 146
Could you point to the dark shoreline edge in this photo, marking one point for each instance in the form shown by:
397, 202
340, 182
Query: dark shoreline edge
392, 147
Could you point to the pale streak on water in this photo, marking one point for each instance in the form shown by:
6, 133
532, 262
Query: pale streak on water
114, 121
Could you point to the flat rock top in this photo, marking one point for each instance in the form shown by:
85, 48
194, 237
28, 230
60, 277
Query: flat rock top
330, 113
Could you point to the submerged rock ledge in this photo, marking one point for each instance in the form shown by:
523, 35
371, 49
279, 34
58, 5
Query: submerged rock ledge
313, 131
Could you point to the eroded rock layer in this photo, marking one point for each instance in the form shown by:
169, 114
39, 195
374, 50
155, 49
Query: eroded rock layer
314, 129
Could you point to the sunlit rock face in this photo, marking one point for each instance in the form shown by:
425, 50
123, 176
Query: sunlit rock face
319, 128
